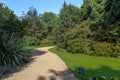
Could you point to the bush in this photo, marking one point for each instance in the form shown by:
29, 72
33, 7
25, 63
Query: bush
3, 70
102, 78
114, 78
93, 78
76, 37
102, 49
11, 53
32, 41
46, 42
75, 46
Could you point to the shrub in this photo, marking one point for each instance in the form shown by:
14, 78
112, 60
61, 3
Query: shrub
102, 49
11, 53
32, 41
75, 46
93, 78
3, 70
102, 78
76, 37
114, 78
46, 42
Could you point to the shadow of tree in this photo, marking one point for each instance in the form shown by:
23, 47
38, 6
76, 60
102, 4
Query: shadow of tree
63, 75
106, 71
38, 52
43, 78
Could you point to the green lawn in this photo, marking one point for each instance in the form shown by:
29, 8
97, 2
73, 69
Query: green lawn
94, 66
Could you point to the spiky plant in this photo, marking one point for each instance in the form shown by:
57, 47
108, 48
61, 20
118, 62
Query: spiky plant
11, 53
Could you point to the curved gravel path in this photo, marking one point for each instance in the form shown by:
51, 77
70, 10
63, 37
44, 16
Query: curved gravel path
44, 66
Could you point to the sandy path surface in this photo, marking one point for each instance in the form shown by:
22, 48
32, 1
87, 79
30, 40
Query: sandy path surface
44, 66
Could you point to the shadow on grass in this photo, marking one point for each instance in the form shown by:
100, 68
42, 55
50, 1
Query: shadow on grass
63, 75
101, 71
19, 69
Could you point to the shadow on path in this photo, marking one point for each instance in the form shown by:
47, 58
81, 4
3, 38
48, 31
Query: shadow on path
63, 75
38, 52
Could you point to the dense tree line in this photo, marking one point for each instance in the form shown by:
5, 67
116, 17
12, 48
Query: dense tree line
97, 30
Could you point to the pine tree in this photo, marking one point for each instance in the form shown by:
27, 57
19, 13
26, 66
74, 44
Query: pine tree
65, 24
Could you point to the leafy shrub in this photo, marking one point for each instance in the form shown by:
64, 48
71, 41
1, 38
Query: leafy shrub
102, 49
102, 78
46, 42
11, 53
76, 37
3, 70
114, 78
75, 45
32, 41
93, 78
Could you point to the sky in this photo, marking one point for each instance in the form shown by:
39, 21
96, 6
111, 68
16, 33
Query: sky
41, 5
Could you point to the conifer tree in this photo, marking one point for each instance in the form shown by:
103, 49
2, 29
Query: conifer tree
64, 25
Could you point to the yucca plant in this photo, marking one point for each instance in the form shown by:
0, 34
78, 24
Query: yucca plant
114, 78
11, 53
93, 78
102, 78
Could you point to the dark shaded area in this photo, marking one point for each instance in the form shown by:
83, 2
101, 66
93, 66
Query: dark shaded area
37, 52
63, 75
101, 71
43, 78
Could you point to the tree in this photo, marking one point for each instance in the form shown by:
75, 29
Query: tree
74, 12
9, 21
65, 25
33, 27
50, 21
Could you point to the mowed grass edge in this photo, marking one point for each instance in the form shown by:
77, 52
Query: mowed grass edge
94, 66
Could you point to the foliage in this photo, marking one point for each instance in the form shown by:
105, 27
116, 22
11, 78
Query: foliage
102, 49
50, 22
9, 21
76, 37
101, 37
102, 78
33, 27
114, 78
65, 25
3, 70
93, 78
46, 42
11, 50
75, 45
32, 41
74, 13
94, 66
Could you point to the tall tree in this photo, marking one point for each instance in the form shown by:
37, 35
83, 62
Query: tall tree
9, 21
50, 21
33, 26
65, 25
74, 12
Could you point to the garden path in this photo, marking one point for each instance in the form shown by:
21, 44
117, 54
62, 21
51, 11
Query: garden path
44, 66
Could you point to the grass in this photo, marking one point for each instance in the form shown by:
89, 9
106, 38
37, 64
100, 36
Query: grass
94, 66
